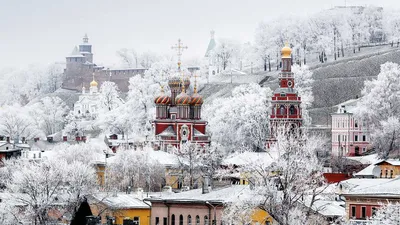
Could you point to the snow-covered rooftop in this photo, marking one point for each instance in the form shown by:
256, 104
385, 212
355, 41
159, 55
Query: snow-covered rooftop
366, 171
226, 194
386, 187
245, 158
368, 159
350, 185
119, 201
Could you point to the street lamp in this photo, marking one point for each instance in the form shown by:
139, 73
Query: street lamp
215, 213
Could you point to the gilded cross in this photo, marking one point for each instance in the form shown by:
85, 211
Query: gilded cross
179, 48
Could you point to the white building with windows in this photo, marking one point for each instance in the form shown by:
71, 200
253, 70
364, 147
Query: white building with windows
88, 104
350, 137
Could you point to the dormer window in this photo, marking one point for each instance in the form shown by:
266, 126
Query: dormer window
283, 94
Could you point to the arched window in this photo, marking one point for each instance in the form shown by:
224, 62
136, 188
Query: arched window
189, 220
173, 219
206, 220
181, 220
282, 110
197, 220
292, 110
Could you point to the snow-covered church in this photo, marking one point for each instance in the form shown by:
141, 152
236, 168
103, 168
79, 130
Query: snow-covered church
88, 104
210, 56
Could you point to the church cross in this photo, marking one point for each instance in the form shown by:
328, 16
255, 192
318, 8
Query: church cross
179, 48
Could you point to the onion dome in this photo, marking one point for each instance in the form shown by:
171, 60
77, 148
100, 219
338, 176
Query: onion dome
196, 99
174, 82
182, 99
286, 51
93, 83
162, 99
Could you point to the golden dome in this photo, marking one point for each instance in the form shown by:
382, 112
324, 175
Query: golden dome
93, 83
286, 51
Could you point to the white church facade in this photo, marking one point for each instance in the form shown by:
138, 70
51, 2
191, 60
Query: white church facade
88, 104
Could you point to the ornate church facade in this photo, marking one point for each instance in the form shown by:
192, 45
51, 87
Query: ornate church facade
286, 110
178, 114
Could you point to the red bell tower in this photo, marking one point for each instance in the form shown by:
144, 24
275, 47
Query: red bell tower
286, 110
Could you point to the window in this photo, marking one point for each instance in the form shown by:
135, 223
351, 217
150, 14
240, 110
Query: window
364, 138
353, 212
197, 220
292, 110
364, 149
338, 137
165, 221
355, 137
391, 173
173, 219
136, 220
157, 220
373, 211
355, 123
363, 212
181, 220
206, 220
189, 220
282, 110
386, 173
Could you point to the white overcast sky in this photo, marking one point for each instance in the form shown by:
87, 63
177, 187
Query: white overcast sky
45, 31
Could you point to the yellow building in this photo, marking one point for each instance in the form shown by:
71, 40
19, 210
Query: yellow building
389, 168
121, 206
261, 217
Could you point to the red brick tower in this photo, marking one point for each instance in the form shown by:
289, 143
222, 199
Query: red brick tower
286, 110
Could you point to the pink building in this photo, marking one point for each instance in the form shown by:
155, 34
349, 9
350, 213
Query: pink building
349, 135
194, 207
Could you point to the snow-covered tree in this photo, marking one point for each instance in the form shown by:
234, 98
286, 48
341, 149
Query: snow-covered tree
42, 186
289, 186
49, 114
129, 57
379, 107
15, 122
386, 214
226, 52
240, 121
303, 83
109, 96
134, 169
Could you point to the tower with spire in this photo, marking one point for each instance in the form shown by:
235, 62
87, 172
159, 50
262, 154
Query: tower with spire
286, 110
210, 55
178, 114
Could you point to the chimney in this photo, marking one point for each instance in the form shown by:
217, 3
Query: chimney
204, 188
65, 138
36, 139
8, 139
24, 140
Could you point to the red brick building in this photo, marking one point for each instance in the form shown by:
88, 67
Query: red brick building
285, 102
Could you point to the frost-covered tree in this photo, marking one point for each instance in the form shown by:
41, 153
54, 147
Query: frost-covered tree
129, 57
303, 83
288, 187
226, 52
109, 96
134, 169
15, 122
241, 120
386, 214
379, 107
49, 114
60, 180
